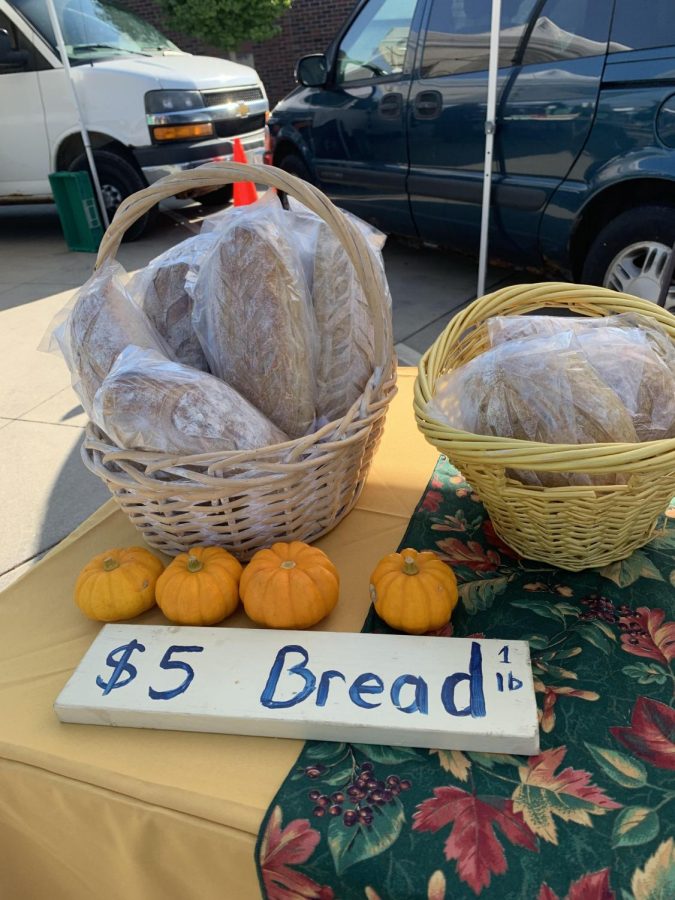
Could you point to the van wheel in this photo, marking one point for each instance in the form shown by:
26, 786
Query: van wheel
118, 180
631, 252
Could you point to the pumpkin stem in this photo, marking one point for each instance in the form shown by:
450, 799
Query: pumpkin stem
288, 564
193, 564
410, 567
109, 564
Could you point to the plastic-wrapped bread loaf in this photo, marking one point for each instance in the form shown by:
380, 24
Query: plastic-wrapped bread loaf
254, 319
537, 389
516, 328
147, 402
345, 359
345, 331
629, 352
159, 289
626, 361
345, 328
306, 227
99, 322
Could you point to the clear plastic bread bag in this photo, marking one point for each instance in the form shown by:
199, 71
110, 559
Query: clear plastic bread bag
299, 224
309, 229
629, 352
95, 326
509, 328
346, 351
254, 318
536, 389
344, 318
148, 402
159, 289
302, 227
345, 329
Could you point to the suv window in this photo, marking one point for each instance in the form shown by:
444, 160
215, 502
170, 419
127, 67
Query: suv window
458, 35
377, 41
569, 29
641, 25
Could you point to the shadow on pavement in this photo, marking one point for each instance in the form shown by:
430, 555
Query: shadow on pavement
74, 496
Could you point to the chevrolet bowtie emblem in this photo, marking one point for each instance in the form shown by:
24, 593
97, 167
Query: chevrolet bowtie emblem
242, 109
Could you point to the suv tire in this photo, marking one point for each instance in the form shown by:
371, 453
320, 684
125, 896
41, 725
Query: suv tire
219, 197
118, 180
630, 253
295, 165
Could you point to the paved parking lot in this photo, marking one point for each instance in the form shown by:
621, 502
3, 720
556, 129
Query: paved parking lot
45, 488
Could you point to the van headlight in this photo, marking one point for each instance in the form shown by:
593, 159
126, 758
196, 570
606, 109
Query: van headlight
158, 102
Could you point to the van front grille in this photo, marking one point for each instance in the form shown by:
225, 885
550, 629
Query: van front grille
231, 127
234, 95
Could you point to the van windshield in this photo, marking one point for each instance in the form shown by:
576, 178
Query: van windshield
93, 30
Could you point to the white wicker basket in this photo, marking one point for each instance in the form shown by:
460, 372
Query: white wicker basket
245, 500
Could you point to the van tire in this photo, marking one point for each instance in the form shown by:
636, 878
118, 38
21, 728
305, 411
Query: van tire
631, 233
118, 179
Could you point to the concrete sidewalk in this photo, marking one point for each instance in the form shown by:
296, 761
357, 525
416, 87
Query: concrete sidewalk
46, 489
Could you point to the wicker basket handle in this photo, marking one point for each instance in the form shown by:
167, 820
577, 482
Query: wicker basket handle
217, 174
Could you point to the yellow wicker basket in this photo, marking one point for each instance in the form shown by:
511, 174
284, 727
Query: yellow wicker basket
570, 527
244, 500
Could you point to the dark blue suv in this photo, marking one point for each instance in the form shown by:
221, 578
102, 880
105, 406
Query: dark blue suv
389, 122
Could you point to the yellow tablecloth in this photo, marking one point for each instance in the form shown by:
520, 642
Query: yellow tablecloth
103, 812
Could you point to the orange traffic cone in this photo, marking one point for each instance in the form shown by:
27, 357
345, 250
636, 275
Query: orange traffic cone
244, 192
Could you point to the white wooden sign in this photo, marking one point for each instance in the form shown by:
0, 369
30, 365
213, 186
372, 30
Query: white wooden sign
445, 693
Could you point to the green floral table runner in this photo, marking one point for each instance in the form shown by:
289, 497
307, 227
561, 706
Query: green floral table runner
592, 817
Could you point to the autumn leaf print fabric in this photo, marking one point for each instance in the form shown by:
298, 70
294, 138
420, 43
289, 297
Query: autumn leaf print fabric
591, 817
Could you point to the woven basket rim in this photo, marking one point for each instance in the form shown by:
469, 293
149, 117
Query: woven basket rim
523, 453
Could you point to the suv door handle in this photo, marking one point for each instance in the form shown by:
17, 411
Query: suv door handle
391, 105
428, 105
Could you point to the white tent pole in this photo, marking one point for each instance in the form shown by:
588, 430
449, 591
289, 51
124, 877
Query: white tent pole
58, 34
490, 125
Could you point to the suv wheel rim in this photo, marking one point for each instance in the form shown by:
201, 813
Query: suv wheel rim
638, 270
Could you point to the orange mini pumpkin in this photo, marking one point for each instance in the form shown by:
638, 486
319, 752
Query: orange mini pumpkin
289, 586
413, 592
200, 587
118, 584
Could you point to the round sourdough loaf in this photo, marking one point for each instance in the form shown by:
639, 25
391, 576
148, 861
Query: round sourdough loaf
148, 402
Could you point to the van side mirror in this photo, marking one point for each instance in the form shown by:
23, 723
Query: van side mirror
9, 57
312, 71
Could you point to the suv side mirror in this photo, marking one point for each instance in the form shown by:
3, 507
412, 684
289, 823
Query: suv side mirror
9, 57
312, 71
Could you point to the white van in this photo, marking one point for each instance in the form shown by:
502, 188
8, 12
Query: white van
150, 108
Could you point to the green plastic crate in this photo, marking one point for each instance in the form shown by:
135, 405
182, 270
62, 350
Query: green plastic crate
78, 211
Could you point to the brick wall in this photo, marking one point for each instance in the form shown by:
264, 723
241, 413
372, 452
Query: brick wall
308, 27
